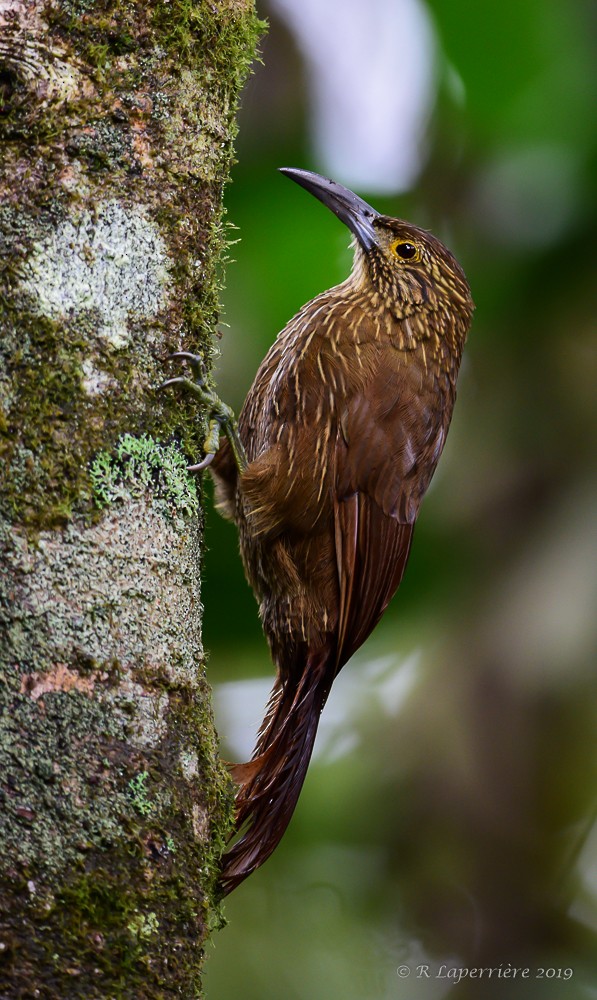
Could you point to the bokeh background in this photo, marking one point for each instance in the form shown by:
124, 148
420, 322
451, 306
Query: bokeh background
448, 817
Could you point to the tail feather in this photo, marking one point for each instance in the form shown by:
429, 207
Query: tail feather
271, 782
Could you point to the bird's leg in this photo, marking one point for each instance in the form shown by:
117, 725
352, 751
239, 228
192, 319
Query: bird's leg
221, 417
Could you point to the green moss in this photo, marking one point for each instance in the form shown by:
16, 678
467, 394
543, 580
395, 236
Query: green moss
103, 145
222, 37
196, 29
193, 737
109, 907
115, 936
97, 54
62, 778
113, 821
182, 94
138, 793
53, 460
143, 925
139, 464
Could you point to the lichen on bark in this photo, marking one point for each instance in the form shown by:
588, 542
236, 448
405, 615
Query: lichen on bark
117, 136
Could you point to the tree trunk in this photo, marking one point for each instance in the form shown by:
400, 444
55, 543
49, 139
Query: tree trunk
117, 128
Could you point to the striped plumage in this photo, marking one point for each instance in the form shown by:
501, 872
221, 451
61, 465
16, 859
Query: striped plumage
342, 428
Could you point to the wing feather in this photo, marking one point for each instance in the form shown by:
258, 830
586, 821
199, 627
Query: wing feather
372, 550
385, 454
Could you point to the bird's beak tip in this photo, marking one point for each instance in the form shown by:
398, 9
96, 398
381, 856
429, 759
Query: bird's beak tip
350, 209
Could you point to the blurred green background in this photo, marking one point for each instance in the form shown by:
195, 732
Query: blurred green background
449, 813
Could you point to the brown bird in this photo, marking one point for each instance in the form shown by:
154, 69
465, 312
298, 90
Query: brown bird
336, 444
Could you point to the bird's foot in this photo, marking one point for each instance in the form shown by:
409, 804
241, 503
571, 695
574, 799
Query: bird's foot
221, 417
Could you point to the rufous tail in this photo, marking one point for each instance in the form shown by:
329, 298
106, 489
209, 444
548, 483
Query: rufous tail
270, 783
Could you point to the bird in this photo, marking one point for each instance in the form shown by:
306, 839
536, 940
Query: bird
324, 473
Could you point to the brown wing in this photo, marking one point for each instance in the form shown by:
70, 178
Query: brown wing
388, 444
372, 551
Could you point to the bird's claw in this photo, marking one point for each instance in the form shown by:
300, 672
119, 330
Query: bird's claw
195, 363
197, 388
173, 381
221, 417
204, 464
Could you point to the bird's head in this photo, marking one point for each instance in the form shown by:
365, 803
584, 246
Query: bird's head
405, 267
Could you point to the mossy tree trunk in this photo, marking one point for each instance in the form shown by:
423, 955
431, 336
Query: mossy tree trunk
117, 127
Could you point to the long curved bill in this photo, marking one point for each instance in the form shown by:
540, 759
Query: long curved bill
350, 209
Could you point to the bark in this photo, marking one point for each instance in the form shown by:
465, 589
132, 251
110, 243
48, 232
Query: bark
117, 127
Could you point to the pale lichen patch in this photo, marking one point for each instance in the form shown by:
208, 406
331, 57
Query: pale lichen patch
88, 627
94, 381
112, 262
200, 820
189, 763
151, 707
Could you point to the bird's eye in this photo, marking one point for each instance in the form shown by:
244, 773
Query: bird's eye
406, 250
